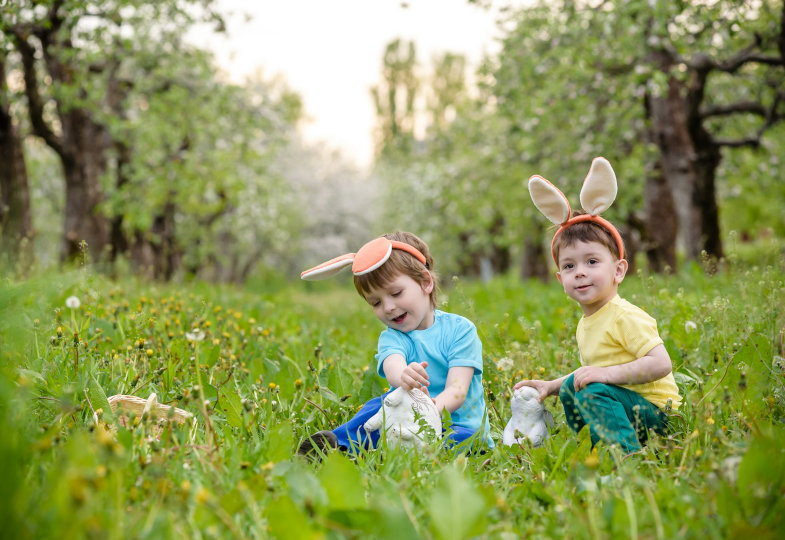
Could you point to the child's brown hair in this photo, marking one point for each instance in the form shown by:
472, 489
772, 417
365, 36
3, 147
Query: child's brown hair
585, 231
400, 262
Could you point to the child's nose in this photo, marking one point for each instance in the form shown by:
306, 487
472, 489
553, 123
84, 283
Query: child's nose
389, 304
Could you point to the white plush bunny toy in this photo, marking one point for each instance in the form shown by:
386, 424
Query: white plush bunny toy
530, 419
401, 426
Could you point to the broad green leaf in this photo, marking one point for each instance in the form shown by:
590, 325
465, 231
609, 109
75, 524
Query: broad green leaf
98, 399
231, 405
286, 521
341, 478
279, 443
456, 506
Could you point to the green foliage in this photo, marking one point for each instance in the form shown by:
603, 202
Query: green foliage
275, 366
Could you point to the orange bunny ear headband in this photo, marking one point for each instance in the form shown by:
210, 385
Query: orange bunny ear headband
370, 257
597, 194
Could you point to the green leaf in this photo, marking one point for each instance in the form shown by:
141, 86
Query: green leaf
286, 521
279, 443
98, 399
232, 407
343, 483
456, 506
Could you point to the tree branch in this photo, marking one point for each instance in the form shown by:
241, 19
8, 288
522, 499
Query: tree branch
751, 142
34, 100
751, 107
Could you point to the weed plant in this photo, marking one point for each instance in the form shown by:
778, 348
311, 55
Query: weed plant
276, 365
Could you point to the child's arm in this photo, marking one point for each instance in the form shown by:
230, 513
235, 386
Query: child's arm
652, 366
399, 374
545, 388
458, 380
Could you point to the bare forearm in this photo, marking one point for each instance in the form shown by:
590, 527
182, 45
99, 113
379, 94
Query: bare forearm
454, 394
655, 365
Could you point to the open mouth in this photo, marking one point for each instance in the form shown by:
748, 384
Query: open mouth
399, 319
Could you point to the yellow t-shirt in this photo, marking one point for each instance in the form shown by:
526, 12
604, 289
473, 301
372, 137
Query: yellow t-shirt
620, 332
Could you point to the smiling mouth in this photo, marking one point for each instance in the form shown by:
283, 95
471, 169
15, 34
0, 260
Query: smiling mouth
399, 319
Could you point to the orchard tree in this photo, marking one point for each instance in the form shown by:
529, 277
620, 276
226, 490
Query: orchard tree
71, 53
394, 99
16, 230
659, 88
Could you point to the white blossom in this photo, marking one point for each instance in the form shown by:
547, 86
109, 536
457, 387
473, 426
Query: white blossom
689, 326
72, 302
195, 335
504, 363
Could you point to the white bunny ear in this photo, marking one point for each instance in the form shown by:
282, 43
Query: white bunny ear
328, 269
549, 200
599, 188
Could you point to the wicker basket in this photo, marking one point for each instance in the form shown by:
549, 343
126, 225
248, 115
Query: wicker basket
124, 407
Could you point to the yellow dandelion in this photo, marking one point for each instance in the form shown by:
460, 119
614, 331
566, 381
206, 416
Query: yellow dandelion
202, 496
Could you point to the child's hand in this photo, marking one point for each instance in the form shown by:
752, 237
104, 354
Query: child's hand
415, 376
543, 387
583, 376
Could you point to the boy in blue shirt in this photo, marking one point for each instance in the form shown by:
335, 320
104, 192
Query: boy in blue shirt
422, 347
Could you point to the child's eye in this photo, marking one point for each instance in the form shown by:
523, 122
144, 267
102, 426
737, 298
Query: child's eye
567, 266
396, 293
593, 261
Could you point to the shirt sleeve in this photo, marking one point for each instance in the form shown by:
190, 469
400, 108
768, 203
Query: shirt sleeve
390, 342
466, 349
638, 332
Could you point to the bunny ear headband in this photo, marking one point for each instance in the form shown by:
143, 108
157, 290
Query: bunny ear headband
597, 194
370, 257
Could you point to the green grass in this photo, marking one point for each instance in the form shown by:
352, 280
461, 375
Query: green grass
279, 363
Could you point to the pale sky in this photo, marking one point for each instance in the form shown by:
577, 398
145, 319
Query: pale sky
330, 52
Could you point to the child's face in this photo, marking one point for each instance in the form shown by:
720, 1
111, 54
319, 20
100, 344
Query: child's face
403, 304
590, 274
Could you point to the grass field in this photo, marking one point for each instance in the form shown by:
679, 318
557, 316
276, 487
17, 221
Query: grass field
278, 362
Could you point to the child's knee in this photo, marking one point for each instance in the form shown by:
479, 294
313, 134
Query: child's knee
567, 390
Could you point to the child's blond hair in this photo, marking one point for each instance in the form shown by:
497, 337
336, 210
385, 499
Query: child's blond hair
400, 262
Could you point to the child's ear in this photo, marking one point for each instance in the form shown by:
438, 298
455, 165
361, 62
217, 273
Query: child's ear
427, 282
621, 271
558, 276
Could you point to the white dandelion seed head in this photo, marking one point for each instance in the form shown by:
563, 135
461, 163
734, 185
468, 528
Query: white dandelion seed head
505, 363
689, 326
72, 302
195, 335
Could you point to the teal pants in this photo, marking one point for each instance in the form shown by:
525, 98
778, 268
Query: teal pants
613, 414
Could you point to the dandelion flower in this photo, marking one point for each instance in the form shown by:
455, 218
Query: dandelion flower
72, 302
689, 326
195, 335
504, 364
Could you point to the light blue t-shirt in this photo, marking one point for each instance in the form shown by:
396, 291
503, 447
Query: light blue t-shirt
451, 341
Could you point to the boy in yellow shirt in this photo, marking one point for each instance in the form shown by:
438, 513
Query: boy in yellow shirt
625, 380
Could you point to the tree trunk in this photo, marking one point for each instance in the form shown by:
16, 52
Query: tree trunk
706, 162
534, 261
16, 229
83, 164
661, 227
80, 143
676, 162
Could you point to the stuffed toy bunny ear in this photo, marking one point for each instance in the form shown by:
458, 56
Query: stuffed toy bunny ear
549, 200
328, 269
599, 188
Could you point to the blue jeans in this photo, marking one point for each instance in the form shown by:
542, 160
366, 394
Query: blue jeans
613, 414
352, 435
